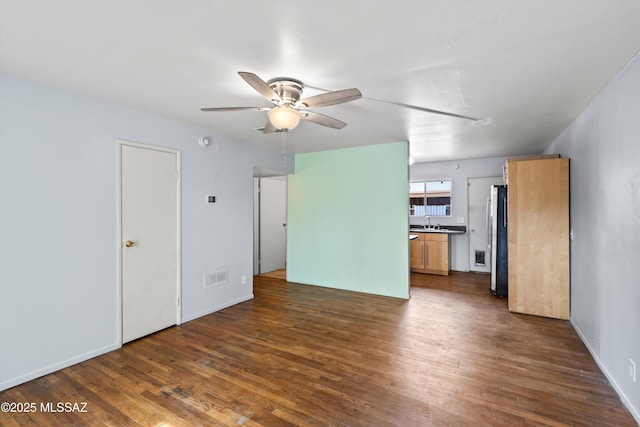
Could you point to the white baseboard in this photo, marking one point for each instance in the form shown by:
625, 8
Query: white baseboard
634, 411
216, 308
56, 367
12, 382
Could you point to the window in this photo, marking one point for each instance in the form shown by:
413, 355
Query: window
430, 198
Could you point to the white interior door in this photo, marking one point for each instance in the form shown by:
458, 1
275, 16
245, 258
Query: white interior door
479, 192
149, 236
273, 223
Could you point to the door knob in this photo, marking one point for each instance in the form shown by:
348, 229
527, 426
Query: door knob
129, 243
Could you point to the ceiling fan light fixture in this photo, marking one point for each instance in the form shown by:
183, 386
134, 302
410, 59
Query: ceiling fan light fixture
284, 117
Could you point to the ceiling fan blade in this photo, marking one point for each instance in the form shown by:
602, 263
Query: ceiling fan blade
429, 110
235, 109
330, 98
269, 128
260, 86
323, 120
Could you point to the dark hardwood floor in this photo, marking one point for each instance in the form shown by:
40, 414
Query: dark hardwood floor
304, 355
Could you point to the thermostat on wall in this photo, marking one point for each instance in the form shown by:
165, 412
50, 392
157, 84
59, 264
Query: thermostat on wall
211, 199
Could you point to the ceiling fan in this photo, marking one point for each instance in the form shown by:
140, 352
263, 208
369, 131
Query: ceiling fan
285, 93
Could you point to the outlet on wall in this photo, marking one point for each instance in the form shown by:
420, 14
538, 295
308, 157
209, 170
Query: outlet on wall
632, 370
244, 279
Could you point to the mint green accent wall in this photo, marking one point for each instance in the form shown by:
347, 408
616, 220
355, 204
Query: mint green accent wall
348, 220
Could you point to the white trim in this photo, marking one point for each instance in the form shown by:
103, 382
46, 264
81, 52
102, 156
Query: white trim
635, 412
179, 237
119, 144
466, 189
147, 146
216, 308
57, 366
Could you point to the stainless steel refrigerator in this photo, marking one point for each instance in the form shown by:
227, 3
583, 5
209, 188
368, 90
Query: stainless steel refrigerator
498, 231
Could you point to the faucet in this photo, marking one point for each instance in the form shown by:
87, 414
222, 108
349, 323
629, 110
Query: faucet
427, 219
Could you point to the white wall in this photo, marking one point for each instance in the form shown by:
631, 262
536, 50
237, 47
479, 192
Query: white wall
58, 242
476, 168
603, 144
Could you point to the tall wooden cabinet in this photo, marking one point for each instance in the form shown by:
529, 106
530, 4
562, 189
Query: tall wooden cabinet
538, 234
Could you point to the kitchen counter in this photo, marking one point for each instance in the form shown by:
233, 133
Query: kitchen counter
450, 229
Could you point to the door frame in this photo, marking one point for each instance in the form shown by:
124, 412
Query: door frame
469, 225
259, 217
259, 172
119, 144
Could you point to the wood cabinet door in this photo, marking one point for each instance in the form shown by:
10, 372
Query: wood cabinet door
437, 256
416, 253
538, 230
429, 253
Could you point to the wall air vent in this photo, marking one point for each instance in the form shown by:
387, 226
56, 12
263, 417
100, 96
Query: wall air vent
217, 278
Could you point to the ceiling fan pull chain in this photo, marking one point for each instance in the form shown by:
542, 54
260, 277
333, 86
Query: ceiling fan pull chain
284, 154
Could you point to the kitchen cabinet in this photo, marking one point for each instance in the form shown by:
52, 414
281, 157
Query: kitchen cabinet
429, 253
538, 236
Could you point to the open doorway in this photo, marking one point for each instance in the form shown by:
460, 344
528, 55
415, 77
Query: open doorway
479, 190
270, 224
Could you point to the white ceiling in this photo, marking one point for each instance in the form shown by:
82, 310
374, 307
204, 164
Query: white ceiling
528, 66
